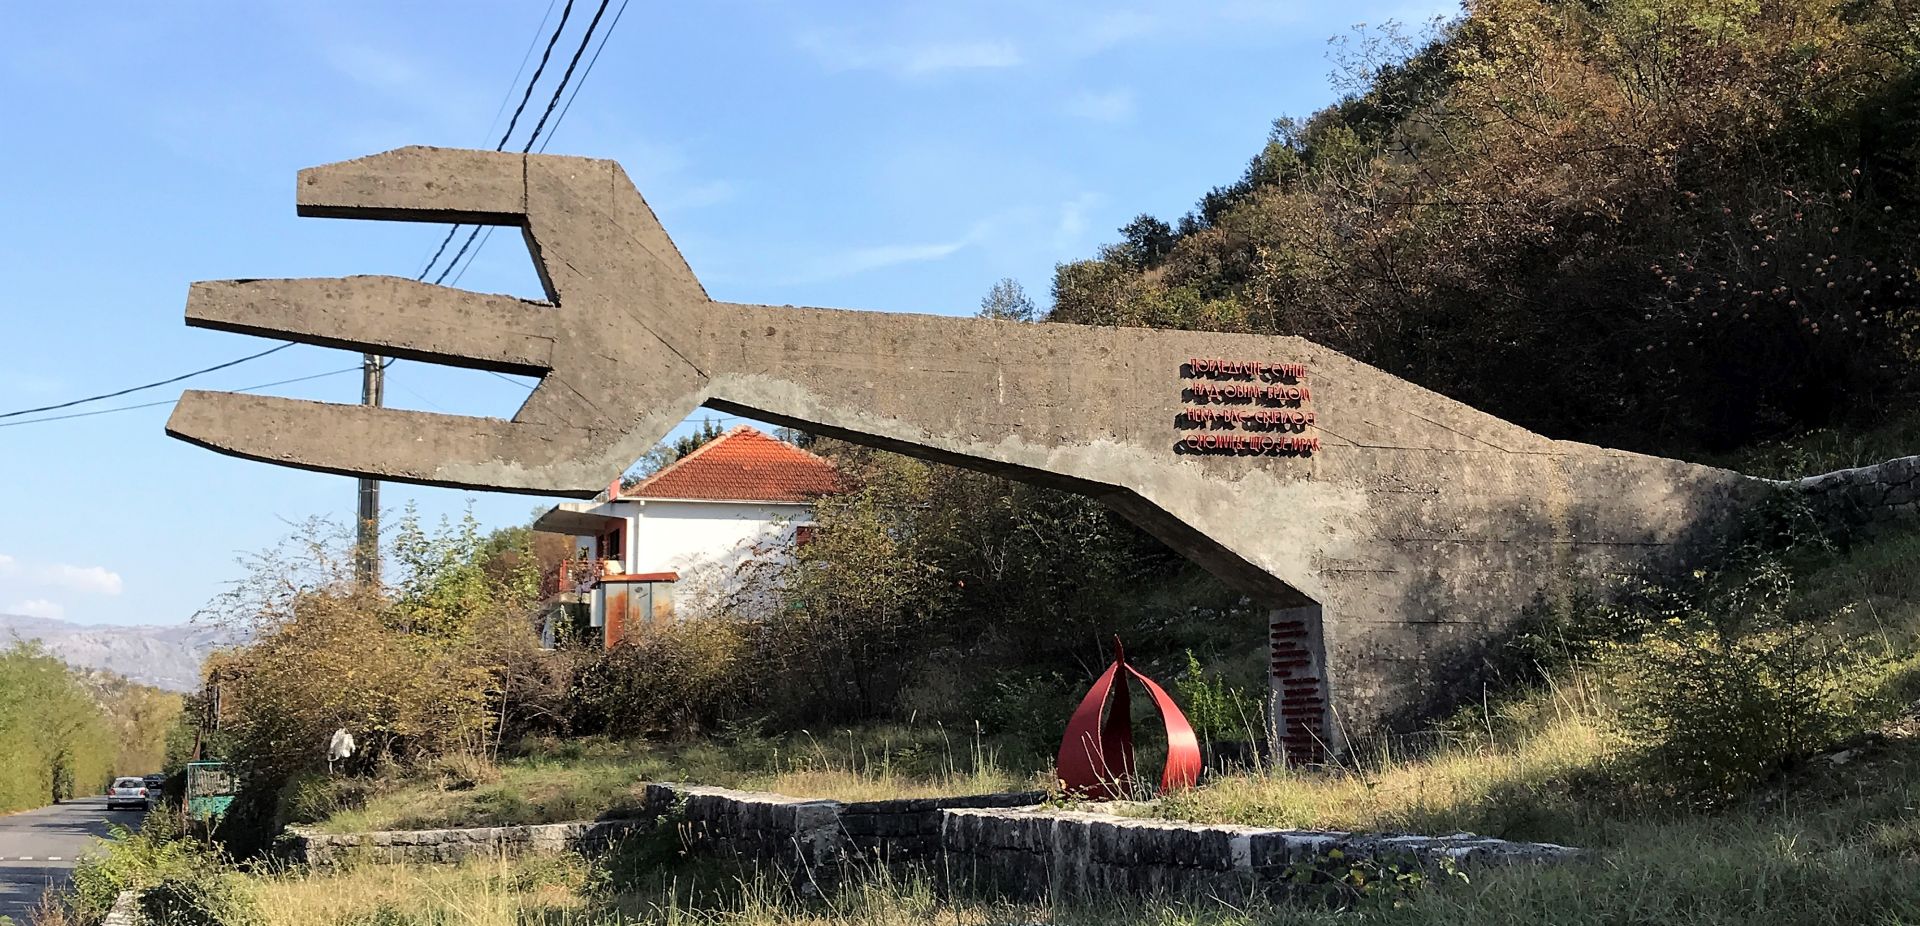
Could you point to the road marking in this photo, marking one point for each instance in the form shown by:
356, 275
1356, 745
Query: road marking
25, 858
55, 858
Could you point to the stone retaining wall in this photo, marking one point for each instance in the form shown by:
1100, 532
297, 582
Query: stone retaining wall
910, 830
452, 845
1065, 853
1868, 499
1010, 844
811, 832
125, 911
1007, 843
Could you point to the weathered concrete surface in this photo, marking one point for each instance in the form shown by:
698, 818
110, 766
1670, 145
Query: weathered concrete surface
1418, 530
125, 911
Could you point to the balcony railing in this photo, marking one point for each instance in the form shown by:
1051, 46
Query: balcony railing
573, 577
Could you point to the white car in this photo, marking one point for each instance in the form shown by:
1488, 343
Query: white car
127, 792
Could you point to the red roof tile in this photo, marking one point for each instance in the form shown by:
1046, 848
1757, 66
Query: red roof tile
742, 465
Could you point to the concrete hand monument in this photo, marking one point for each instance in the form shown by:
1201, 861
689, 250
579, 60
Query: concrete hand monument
1392, 531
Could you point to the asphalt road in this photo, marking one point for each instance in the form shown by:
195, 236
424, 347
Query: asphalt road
38, 848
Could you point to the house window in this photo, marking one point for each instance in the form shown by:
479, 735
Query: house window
612, 544
803, 535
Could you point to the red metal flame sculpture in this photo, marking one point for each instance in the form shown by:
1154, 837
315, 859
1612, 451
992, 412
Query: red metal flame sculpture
1096, 759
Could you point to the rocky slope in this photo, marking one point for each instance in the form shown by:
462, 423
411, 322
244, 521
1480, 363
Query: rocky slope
164, 656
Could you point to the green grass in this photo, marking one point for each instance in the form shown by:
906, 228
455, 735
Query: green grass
589, 779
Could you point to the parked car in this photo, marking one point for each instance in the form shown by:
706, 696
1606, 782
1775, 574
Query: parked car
154, 783
127, 792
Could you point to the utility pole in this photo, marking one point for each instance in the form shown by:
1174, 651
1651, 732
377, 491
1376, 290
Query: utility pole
366, 554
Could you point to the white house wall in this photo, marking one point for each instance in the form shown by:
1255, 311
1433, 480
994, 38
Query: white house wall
715, 547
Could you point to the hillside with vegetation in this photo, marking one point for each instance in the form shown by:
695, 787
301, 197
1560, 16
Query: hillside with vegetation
1661, 225
1675, 226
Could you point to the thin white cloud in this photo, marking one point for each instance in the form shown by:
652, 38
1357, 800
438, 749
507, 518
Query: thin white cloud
956, 56
1110, 106
379, 68
835, 265
95, 579
1072, 224
31, 384
665, 174
863, 260
399, 76
1105, 30
840, 51
40, 607
710, 193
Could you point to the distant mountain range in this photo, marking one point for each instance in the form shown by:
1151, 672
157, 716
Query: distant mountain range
164, 656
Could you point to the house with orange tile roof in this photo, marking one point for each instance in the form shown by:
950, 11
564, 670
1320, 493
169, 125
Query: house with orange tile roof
687, 540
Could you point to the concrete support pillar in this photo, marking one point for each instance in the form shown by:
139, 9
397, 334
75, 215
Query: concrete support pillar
1299, 709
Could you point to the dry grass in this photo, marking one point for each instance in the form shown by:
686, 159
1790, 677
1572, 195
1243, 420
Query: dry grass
1516, 791
1733, 873
885, 763
477, 893
567, 891
588, 780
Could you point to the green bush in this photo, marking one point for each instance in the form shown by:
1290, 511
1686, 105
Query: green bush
204, 898
312, 796
134, 861
1722, 696
1029, 712
1220, 712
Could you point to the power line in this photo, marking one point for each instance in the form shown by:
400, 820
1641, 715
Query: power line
586, 74
525, 97
558, 91
121, 392
567, 78
128, 408
476, 256
525, 57
545, 55
604, 38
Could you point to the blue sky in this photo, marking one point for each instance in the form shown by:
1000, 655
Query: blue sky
898, 156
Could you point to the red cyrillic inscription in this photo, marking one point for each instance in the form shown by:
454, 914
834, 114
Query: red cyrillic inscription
1274, 388
1215, 368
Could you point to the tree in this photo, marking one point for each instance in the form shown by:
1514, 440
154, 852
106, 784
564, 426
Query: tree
1008, 301
860, 596
444, 660
1666, 225
1146, 241
54, 731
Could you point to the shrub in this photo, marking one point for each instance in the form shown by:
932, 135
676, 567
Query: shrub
1720, 697
135, 861
1029, 712
205, 898
679, 678
310, 797
1219, 711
